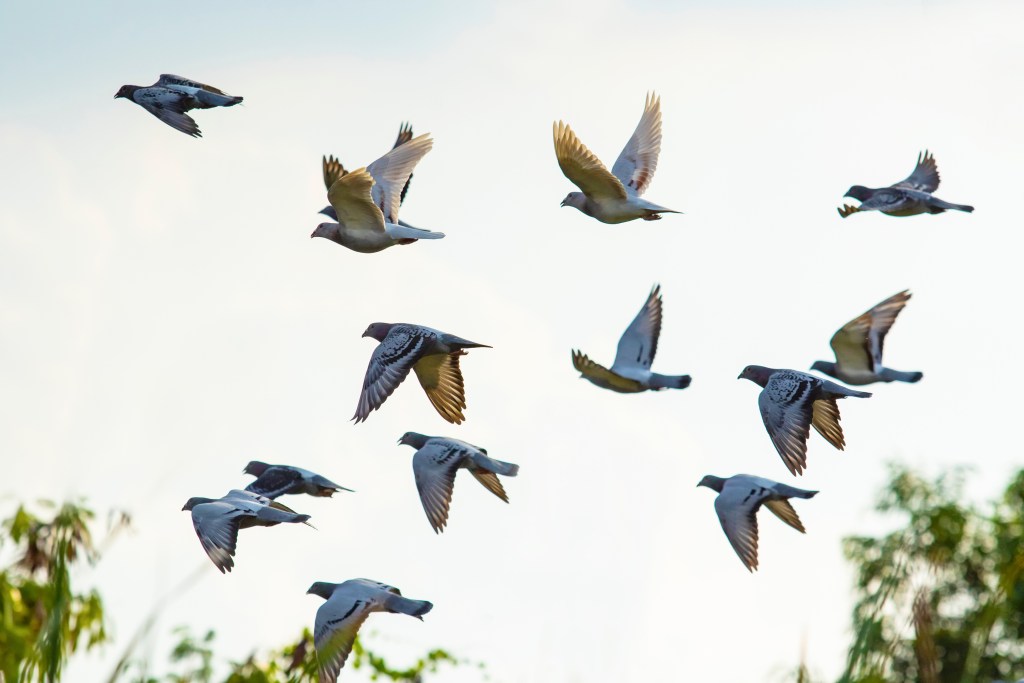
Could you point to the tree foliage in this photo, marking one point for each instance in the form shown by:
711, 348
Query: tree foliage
43, 621
940, 599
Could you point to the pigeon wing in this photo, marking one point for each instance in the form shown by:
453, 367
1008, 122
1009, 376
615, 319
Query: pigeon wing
639, 343
787, 411
583, 168
600, 374
441, 379
169, 107
404, 135
434, 467
392, 171
171, 79
333, 169
351, 198
925, 176
737, 511
389, 365
274, 482
639, 158
825, 419
781, 508
334, 632
216, 524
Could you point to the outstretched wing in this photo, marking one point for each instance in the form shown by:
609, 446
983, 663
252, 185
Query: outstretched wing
389, 365
786, 409
602, 376
351, 198
392, 171
441, 379
925, 176
639, 158
737, 508
639, 343
434, 467
169, 107
333, 169
334, 632
858, 344
583, 168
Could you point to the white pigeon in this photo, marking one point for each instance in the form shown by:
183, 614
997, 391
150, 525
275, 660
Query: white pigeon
631, 371
614, 197
348, 604
217, 521
433, 354
435, 463
791, 403
367, 200
277, 480
858, 346
739, 498
171, 96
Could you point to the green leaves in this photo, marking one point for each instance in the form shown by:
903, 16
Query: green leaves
940, 599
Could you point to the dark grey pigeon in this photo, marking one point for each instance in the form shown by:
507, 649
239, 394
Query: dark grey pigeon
740, 497
858, 346
791, 403
435, 463
908, 197
348, 604
277, 480
171, 96
217, 521
433, 354
334, 169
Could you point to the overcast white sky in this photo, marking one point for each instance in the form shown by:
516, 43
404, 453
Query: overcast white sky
164, 316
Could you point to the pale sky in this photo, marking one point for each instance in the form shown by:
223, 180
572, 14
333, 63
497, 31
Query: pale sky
165, 318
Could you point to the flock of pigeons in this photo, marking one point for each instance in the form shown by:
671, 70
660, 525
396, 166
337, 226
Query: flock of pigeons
364, 205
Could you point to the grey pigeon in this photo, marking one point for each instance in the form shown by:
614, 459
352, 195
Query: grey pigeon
614, 197
791, 403
435, 463
858, 346
348, 604
631, 371
277, 480
909, 197
433, 354
739, 498
366, 202
217, 521
334, 169
171, 96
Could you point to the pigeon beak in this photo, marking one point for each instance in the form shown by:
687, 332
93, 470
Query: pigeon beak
563, 203
739, 376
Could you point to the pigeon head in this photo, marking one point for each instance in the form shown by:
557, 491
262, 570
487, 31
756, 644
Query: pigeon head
712, 482
196, 500
575, 199
255, 468
126, 91
327, 231
322, 588
825, 367
859, 192
758, 374
413, 439
378, 330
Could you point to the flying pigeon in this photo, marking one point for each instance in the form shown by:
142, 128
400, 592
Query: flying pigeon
334, 169
277, 480
366, 202
170, 97
631, 371
435, 463
614, 197
739, 498
791, 403
217, 521
348, 604
858, 346
433, 354
908, 197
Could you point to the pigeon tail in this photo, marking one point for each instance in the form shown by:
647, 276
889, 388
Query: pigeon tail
414, 608
212, 99
898, 376
669, 381
460, 343
936, 203
506, 469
